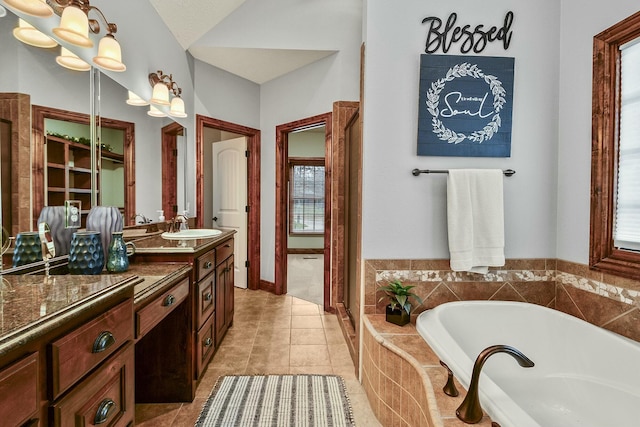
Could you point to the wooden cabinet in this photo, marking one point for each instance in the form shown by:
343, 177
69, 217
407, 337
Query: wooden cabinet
151, 314
211, 308
68, 171
19, 390
104, 397
224, 293
76, 370
205, 309
79, 351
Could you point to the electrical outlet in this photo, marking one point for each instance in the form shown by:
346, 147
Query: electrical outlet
72, 213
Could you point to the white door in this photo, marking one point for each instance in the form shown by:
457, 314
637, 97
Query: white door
230, 198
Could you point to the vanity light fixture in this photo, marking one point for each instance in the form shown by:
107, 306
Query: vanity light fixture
109, 54
160, 94
3, 12
163, 85
38, 8
28, 34
70, 60
136, 100
177, 108
74, 27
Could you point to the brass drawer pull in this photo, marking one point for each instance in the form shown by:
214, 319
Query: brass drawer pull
208, 342
207, 265
208, 296
169, 300
102, 414
103, 342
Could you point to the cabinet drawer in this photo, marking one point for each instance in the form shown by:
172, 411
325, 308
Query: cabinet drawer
151, 314
205, 264
205, 345
205, 299
224, 251
19, 391
83, 349
105, 397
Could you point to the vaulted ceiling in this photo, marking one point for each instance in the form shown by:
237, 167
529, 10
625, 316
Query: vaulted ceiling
255, 39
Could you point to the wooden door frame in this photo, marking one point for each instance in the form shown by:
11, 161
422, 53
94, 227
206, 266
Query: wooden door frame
282, 143
253, 188
170, 168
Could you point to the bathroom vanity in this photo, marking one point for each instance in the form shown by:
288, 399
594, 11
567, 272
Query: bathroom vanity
82, 350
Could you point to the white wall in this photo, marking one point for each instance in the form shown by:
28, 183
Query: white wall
405, 216
306, 92
581, 20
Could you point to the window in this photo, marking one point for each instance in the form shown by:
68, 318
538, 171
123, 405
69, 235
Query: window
615, 167
306, 195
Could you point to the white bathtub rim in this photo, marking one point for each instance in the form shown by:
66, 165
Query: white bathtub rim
496, 403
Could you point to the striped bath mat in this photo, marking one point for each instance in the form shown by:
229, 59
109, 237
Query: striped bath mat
277, 400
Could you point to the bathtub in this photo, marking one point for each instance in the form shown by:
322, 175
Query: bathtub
583, 376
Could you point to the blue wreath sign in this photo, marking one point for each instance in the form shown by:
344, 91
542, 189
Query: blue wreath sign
465, 106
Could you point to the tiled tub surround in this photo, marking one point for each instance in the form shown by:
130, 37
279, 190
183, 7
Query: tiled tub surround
403, 378
400, 373
604, 300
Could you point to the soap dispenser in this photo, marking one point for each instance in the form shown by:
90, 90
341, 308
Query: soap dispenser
160, 215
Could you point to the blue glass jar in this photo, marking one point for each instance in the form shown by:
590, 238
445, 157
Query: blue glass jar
86, 255
27, 249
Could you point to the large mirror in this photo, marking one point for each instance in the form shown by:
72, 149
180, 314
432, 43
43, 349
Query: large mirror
30, 76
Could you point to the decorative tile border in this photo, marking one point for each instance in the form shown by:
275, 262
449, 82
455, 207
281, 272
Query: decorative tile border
628, 296
604, 300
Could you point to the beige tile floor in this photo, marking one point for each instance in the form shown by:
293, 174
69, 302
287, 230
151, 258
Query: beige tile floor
271, 335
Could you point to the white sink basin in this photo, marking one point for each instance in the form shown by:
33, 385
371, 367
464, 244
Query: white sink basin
194, 233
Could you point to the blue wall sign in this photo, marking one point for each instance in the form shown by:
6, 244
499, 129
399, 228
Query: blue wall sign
465, 107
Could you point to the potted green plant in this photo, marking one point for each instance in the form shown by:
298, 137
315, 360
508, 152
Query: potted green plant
399, 307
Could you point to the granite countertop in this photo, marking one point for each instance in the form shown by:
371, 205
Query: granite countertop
156, 244
154, 277
31, 305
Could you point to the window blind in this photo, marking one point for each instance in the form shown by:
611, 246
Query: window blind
627, 216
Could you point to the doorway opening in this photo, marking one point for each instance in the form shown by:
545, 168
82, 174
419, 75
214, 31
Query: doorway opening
210, 132
303, 214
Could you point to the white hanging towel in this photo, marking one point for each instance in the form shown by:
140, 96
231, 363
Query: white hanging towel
475, 216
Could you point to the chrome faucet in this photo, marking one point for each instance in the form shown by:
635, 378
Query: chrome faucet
470, 410
179, 222
145, 220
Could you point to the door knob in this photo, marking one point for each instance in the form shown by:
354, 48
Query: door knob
215, 218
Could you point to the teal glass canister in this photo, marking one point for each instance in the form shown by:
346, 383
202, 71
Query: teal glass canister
119, 253
86, 255
28, 248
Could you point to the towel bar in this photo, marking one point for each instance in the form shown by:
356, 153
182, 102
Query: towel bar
416, 172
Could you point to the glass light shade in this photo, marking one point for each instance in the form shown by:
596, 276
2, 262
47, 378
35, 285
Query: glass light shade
37, 8
177, 108
160, 94
109, 54
154, 112
74, 27
28, 34
70, 60
136, 100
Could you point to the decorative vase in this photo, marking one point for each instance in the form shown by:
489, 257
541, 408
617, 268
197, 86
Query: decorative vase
27, 249
86, 255
106, 220
398, 316
118, 258
55, 217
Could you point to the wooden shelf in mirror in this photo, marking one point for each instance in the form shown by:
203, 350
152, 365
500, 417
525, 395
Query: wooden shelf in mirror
61, 169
